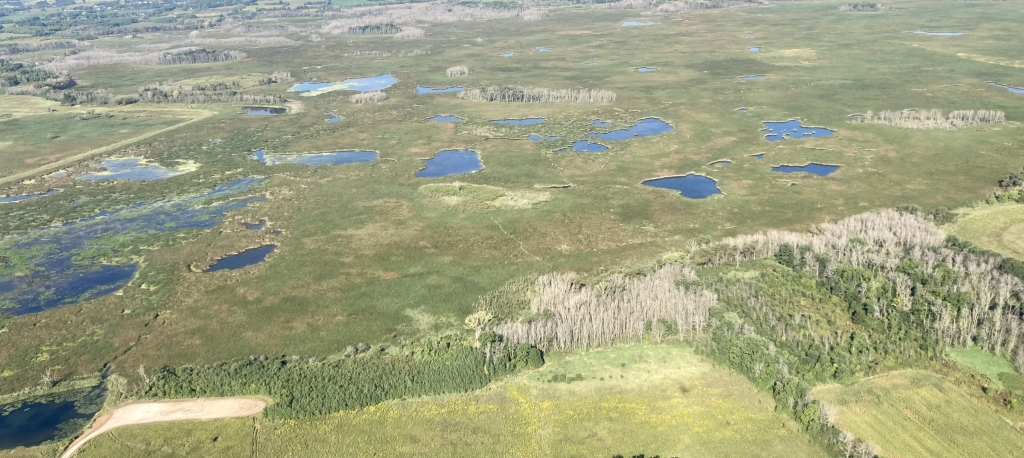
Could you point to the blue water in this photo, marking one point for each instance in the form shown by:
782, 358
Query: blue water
721, 162
647, 69
754, 49
584, 146
55, 273
753, 77
519, 122
430, 90
543, 49
264, 111
256, 226
778, 131
315, 159
939, 34
129, 168
636, 24
451, 162
600, 123
444, 118
692, 185
741, 110
24, 197
1015, 90
759, 156
749, 36
334, 119
309, 86
813, 168
244, 259
538, 138
364, 84
643, 128
48, 418
508, 54
590, 63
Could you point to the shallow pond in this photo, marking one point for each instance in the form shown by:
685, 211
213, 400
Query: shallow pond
1015, 90
643, 128
48, 418
67, 264
646, 69
369, 83
590, 63
636, 24
450, 162
430, 90
600, 123
754, 49
24, 197
544, 50
245, 258
134, 168
813, 168
759, 156
256, 226
691, 185
265, 111
508, 54
444, 118
315, 159
584, 146
741, 110
334, 119
519, 122
778, 131
721, 162
939, 34
538, 138
753, 77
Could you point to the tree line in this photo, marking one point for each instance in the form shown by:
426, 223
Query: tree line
23, 48
519, 94
934, 119
181, 56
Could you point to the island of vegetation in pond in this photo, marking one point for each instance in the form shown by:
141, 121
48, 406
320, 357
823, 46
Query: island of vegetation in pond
24, 197
813, 168
636, 24
365, 84
134, 168
315, 159
519, 122
265, 111
691, 185
430, 90
643, 128
1015, 90
246, 258
52, 417
444, 118
67, 264
778, 131
450, 162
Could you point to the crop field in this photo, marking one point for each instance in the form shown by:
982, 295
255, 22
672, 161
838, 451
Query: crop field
917, 413
628, 400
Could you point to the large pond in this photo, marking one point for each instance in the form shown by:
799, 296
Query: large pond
451, 162
691, 185
134, 168
643, 128
242, 259
939, 34
24, 197
369, 83
444, 118
1015, 90
813, 168
83, 260
778, 131
315, 159
48, 418
519, 122
430, 90
265, 111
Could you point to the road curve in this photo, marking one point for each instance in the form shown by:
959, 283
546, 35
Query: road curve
163, 411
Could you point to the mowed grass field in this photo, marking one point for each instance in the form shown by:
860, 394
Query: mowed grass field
636, 399
365, 256
919, 414
999, 228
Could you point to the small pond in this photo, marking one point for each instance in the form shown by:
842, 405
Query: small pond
939, 34
430, 90
778, 131
754, 49
721, 162
643, 128
255, 226
753, 77
134, 168
646, 69
749, 36
544, 50
519, 122
369, 83
24, 197
813, 168
508, 54
691, 185
741, 110
444, 118
590, 63
245, 258
856, 116
584, 146
600, 123
68, 264
1015, 90
538, 138
334, 119
636, 24
315, 159
450, 162
48, 418
759, 156
265, 111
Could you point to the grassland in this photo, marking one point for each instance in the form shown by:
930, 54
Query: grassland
365, 256
999, 228
917, 413
638, 399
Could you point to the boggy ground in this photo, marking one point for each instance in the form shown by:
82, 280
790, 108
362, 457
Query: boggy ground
362, 246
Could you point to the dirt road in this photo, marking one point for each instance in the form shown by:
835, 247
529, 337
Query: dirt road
164, 411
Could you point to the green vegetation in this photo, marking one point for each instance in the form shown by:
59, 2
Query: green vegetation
997, 369
916, 413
